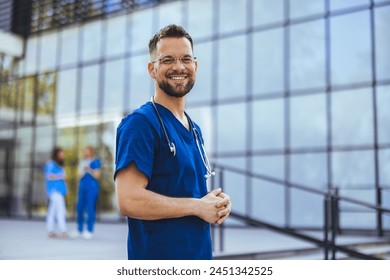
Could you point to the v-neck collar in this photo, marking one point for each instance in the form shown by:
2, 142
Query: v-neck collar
177, 124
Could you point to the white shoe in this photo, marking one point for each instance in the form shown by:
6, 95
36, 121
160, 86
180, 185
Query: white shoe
87, 235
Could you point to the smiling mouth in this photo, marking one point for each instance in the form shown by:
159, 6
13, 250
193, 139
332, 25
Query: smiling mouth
177, 78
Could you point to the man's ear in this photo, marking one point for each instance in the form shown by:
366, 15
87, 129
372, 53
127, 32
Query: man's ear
151, 70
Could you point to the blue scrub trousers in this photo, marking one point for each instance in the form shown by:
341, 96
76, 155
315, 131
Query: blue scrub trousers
87, 199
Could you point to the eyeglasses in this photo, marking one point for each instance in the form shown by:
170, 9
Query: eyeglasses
169, 59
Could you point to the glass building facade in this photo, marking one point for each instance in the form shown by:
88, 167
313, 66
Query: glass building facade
297, 91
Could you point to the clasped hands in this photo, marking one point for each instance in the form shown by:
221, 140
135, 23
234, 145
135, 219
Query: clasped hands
217, 206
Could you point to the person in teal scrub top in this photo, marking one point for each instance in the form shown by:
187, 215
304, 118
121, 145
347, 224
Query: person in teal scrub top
161, 164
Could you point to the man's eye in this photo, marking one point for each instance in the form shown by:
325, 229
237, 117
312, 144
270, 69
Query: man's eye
167, 60
186, 60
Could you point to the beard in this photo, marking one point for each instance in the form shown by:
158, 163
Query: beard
177, 90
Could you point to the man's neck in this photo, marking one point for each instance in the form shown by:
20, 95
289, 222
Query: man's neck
175, 105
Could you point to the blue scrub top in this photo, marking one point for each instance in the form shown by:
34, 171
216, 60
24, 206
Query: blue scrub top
52, 168
88, 181
140, 139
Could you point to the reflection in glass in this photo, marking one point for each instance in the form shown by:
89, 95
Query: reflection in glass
69, 46
268, 50
200, 19
232, 15
231, 125
113, 86
141, 29
92, 41
66, 93
301, 201
31, 56
351, 48
309, 169
308, 121
271, 12
140, 81
353, 168
383, 102
170, 14
116, 40
266, 196
337, 4
382, 42
384, 168
352, 124
302, 8
48, 51
268, 124
272, 166
203, 85
232, 67
307, 54
89, 90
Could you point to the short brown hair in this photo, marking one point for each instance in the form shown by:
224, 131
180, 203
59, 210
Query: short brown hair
170, 31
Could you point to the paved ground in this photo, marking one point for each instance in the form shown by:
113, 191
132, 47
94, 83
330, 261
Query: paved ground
27, 240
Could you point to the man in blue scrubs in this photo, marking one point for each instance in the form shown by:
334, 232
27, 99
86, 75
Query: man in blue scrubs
162, 190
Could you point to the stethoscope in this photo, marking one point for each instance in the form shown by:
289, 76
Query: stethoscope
201, 148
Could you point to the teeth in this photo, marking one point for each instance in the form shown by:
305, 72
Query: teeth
177, 78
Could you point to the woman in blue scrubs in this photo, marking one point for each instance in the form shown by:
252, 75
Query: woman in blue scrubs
161, 168
88, 192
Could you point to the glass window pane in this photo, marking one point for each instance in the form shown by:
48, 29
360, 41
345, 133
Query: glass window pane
383, 102
202, 88
266, 196
352, 117
140, 81
48, 48
272, 166
268, 50
142, 30
384, 168
19, 192
308, 121
302, 8
31, 56
66, 94
171, 13
307, 55
232, 67
116, 40
309, 170
232, 15
353, 168
231, 132
344, 4
265, 11
382, 42
234, 185
92, 41
301, 201
200, 18
204, 118
23, 154
351, 48
69, 46
113, 86
89, 90
268, 124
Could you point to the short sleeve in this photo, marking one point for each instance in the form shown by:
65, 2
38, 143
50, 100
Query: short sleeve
136, 141
96, 164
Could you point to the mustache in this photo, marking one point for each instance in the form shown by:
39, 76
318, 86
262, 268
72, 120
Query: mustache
175, 72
